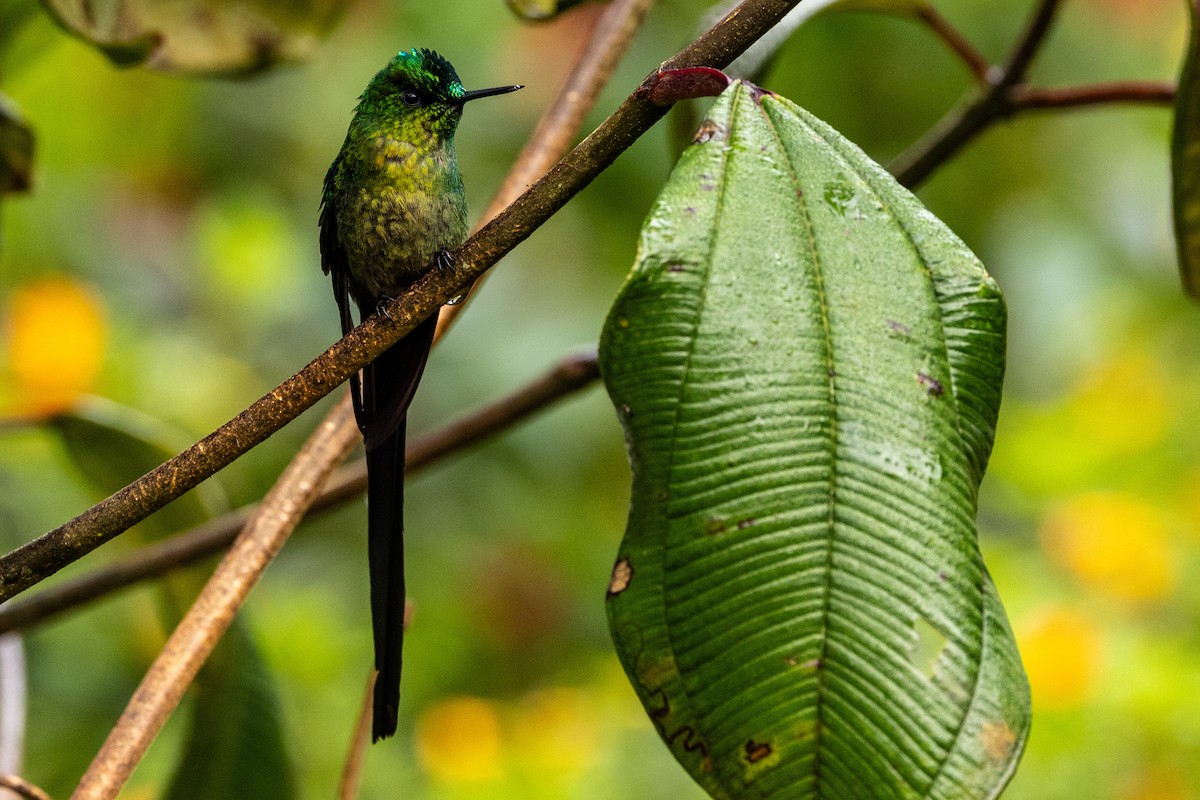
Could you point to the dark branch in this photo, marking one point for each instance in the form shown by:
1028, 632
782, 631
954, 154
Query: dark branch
991, 102
47, 554
954, 39
1151, 92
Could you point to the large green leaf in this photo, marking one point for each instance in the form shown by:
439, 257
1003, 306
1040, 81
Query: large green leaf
236, 744
1185, 160
808, 366
205, 36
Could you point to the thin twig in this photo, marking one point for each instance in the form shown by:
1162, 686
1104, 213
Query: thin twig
992, 102
22, 788
361, 739
202, 627
1014, 70
974, 60
1153, 92
571, 374
47, 554
558, 127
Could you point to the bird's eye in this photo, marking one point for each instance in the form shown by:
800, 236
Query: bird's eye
410, 99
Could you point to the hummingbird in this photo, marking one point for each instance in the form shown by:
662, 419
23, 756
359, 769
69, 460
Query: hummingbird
392, 208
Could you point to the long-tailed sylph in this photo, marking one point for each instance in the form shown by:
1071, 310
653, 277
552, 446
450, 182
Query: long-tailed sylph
392, 208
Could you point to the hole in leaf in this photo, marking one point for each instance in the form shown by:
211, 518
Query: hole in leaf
927, 647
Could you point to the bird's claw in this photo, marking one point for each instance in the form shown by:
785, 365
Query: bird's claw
381, 306
443, 260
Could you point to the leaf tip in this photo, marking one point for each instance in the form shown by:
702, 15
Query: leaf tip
669, 86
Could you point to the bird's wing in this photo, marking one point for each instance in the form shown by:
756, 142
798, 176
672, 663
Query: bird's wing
333, 256
336, 264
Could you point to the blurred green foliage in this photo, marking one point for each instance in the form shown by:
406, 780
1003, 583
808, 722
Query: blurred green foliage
186, 211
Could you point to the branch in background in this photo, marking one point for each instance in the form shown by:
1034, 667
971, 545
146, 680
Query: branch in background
570, 375
360, 740
34, 561
992, 102
560, 124
954, 39
1030, 41
22, 788
1155, 92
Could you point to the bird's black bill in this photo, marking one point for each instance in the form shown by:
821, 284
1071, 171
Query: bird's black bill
478, 93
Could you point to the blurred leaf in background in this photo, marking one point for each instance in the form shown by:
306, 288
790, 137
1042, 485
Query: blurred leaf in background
16, 149
209, 36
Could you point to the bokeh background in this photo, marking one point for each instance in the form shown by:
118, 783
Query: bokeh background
166, 260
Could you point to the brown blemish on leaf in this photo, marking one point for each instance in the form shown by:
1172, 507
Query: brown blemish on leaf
898, 328
997, 740
656, 673
746, 523
933, 387
675, 267
685, 735
707, 131
757, 751
715, 526
622, 574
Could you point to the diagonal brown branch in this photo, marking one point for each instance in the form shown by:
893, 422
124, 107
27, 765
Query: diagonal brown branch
954, 39
570, 375
559, 126
32, 562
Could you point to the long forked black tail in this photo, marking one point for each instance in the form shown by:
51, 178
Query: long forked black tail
387, 389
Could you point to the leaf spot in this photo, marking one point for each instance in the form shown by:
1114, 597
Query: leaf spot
748, 522
707, 132
622, 574
933, 387
997, 740
757, 751
715, 526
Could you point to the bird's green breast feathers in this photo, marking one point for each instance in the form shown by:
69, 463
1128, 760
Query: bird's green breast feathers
397, 204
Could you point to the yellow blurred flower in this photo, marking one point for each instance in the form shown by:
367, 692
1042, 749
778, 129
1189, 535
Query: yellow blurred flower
555, 731
459, 741
1113, 542
1060, 649
56, 336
